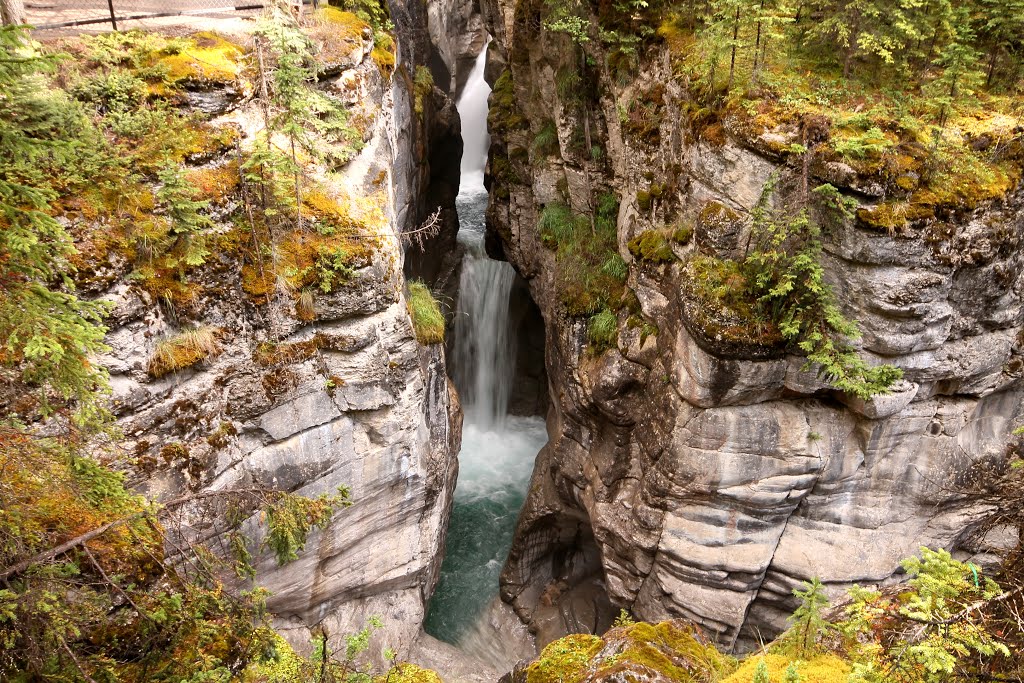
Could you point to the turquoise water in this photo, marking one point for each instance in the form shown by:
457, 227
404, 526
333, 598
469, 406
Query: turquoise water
494, 473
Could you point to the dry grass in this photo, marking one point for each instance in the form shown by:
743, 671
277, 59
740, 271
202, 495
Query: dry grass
184, 350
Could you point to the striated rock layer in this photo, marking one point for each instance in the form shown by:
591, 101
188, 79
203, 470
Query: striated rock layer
694, 477
342, 395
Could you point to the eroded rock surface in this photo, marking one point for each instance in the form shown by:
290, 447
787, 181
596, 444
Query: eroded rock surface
310, 397
708, 476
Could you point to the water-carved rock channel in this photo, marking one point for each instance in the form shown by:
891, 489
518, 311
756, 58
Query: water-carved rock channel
498, 448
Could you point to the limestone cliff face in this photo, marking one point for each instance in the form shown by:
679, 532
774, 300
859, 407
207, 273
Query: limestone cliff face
702, 479
307, 401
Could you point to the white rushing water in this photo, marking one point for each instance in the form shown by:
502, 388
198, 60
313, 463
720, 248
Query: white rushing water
498, 450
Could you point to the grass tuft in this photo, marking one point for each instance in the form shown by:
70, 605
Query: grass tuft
184, 350
426, 314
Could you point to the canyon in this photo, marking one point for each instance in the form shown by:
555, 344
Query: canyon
590, 439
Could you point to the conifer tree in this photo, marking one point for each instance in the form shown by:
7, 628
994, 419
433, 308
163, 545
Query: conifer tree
47, 334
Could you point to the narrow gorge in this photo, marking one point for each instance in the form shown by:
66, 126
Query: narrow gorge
524, 340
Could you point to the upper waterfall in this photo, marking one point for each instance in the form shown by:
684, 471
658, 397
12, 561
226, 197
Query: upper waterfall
472, 106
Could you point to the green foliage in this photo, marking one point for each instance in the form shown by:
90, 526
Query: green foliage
546, 140
188, 224
309, 118
290, 518
808, 622
929, 634
785, 275
872, 142
591, 273
602, 329
568, 17
47, 334
793, 674
623, 620
761, 673
427, 319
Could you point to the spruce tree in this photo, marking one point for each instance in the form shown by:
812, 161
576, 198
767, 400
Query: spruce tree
47, 334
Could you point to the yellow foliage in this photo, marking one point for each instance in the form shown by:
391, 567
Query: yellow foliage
408, 673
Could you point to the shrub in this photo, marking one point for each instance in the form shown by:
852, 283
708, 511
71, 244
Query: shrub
184, 350
427, 320
591, 274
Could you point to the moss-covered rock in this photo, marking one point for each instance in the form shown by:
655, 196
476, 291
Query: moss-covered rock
651, 246
670, 651
206, 60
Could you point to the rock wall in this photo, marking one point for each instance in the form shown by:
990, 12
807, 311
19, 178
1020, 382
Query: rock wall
342, 395
688, 476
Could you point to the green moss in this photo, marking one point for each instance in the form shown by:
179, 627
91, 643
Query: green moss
651, 246
207, 59
565, 660
821, 669
644, 200
503, 112
721, 307
683, 234
427, 319
712, 215
670, 649
423, 86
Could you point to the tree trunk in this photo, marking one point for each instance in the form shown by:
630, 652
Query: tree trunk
12, 12
991, 66
757, 41
732, 60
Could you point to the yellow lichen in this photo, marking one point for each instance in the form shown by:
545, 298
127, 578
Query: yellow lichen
404, 672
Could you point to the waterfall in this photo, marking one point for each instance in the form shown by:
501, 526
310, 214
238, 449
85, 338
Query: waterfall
472, 106
498, 449
484, 349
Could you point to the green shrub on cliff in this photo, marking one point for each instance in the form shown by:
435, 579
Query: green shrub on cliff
591, 273
786, 278
47, 334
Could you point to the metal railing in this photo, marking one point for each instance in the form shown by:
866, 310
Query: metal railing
64, 14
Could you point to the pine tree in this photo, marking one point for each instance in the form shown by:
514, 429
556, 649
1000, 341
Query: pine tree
1001, 27
761, 674
959, 61
807, 620
47, 334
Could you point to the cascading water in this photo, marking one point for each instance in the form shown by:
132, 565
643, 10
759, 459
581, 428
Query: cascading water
498, 449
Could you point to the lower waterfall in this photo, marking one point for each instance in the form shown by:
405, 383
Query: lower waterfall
498, 449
